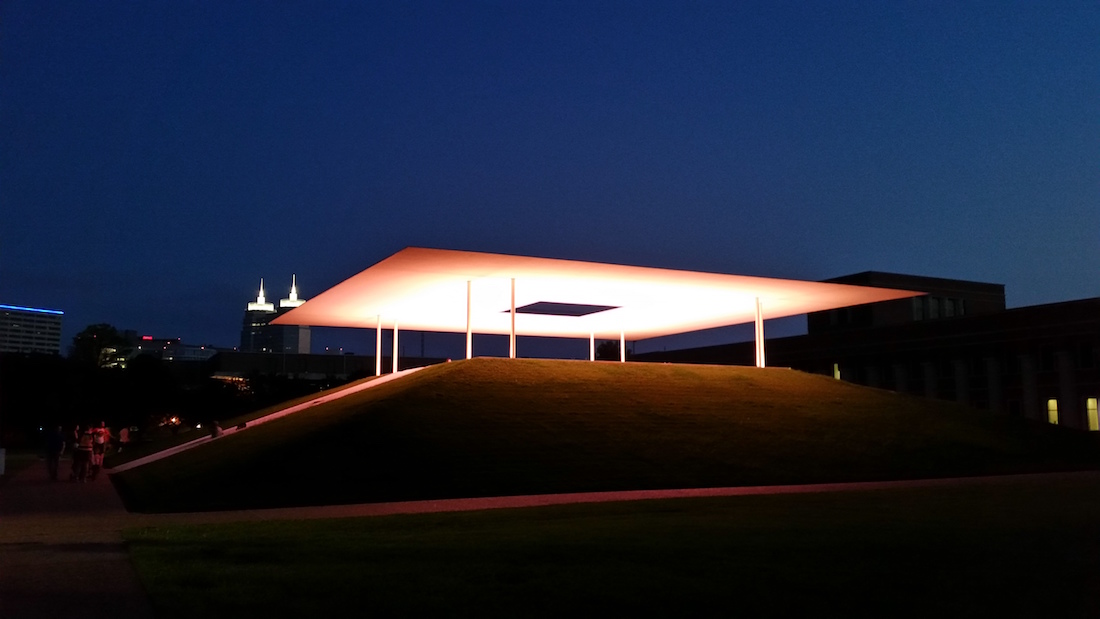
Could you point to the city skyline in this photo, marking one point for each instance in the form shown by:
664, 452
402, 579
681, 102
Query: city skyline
159, 160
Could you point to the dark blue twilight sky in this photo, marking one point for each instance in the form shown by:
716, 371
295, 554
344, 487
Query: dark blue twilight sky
158, 158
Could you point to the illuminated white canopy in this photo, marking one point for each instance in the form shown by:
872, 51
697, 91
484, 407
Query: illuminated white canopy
436, 290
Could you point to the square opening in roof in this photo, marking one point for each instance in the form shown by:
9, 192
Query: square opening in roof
550, 308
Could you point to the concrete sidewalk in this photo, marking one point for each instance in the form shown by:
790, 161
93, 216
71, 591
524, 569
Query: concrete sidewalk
61, 551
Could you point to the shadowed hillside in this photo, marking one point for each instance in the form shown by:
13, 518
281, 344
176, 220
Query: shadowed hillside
490, 427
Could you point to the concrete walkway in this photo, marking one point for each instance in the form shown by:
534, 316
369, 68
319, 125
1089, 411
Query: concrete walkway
61, 550
62, 554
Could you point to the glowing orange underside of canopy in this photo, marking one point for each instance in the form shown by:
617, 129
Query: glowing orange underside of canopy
460, 291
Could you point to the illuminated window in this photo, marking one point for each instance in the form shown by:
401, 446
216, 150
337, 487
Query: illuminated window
836, 371
1052, 411
1094, 419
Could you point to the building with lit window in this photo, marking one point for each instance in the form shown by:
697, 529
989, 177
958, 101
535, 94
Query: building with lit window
164, 348
30, 329
259, 335
957, 342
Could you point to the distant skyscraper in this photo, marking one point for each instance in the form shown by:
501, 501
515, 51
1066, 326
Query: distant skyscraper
292, 301
30, 329
258, 335
255, 335
292, 338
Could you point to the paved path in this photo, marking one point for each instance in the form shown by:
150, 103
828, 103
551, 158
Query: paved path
61, 549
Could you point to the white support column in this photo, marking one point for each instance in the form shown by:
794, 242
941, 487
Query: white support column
469, 331
395, 347
592, 346
512, 333
622, 346
759, 335
378, 346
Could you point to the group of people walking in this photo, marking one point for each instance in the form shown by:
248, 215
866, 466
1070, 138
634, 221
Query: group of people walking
87, 445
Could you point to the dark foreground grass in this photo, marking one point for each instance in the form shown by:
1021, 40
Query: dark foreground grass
1025, 549
493, 427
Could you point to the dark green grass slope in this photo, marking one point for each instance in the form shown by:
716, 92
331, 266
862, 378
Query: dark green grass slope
491, 427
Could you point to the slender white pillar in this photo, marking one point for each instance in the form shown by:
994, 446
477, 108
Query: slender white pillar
378, 346
469, 331
395, 347
622, 346
759, 335
512, 333
591, 346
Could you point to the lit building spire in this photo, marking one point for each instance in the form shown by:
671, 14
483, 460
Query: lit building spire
261, 304
293, 301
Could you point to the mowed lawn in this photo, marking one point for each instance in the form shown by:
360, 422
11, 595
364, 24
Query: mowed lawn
1029, 548
493, 427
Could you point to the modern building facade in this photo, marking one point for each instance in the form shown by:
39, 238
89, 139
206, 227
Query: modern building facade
30, 329
956, 343
258, 335
943, 298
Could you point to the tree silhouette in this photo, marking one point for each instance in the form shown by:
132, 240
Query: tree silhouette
608, 350
88, 345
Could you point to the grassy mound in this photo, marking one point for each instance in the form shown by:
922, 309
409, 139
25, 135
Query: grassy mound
491, 427
168, 440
